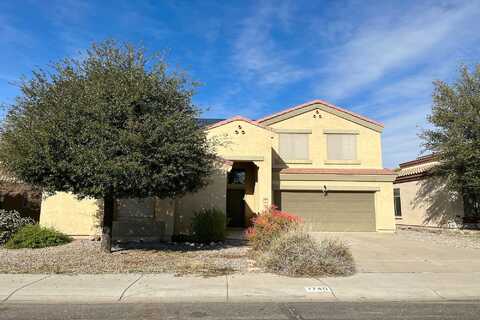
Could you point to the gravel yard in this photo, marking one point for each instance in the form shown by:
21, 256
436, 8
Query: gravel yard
85, 256
449, 238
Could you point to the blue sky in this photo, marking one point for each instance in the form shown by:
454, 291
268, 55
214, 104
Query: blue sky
377, 58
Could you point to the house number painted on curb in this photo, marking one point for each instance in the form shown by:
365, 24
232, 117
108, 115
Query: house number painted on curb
318, 289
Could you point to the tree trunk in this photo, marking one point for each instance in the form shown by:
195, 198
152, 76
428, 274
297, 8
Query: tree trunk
108, 207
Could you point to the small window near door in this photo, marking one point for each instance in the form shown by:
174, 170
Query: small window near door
397, 203
236, 176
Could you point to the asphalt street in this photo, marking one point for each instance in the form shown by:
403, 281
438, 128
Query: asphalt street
245, 311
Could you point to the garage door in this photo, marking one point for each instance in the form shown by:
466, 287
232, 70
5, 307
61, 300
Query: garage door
333, 211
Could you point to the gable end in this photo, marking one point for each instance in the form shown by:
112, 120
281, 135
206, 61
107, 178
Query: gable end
321, 105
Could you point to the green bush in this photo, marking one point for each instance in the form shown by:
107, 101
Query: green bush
209, 225
10, 222
268, 225
298, 254
35, 236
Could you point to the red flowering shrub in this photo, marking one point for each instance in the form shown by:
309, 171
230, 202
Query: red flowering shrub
270, 224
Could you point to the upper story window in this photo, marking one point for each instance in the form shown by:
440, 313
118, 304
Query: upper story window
341, 146
293, 146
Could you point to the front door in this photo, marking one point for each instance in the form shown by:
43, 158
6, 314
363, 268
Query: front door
236, 198
235, 208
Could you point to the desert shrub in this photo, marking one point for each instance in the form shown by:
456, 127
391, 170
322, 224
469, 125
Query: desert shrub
269, 225
209, 225
11, 222
182, 238
298, 254
35, 236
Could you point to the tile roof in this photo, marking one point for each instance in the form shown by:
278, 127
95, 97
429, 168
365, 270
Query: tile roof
204, 122
225, 161
239, 118
317, 101
419, 160
416, 170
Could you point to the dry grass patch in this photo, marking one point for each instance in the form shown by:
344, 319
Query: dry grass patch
298, 254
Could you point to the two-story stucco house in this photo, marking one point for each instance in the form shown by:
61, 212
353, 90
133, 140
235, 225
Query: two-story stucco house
315, 160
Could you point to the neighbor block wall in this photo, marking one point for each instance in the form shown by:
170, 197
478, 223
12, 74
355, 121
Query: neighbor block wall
64, 212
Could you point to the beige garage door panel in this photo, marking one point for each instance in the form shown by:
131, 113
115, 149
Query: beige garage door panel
334, 211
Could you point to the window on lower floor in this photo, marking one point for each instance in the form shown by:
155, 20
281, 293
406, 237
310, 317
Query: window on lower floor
397, 203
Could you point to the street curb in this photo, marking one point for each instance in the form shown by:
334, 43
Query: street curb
238, 288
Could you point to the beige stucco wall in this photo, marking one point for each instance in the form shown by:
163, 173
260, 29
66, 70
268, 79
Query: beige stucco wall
212, 196
429, 205
369, 147
64, 212
255, 145
384, 217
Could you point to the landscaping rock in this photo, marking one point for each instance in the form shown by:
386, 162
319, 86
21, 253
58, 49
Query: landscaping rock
450, 238
85, 256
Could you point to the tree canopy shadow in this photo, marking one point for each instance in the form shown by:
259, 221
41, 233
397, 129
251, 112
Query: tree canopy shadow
442, 207
176, 246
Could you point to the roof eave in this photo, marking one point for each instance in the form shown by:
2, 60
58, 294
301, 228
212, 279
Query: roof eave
279, 116
238, 118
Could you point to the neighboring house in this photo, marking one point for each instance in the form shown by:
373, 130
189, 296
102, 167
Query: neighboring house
19, 196
315, 160
421, 200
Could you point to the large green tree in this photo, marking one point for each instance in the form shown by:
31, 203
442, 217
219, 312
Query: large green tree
455, 136
113, 123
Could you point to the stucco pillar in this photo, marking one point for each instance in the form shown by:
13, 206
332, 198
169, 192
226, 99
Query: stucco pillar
264, 185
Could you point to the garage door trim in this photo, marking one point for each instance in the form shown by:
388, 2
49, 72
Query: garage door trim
330, 188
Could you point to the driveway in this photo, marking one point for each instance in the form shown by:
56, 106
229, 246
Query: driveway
401, 252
